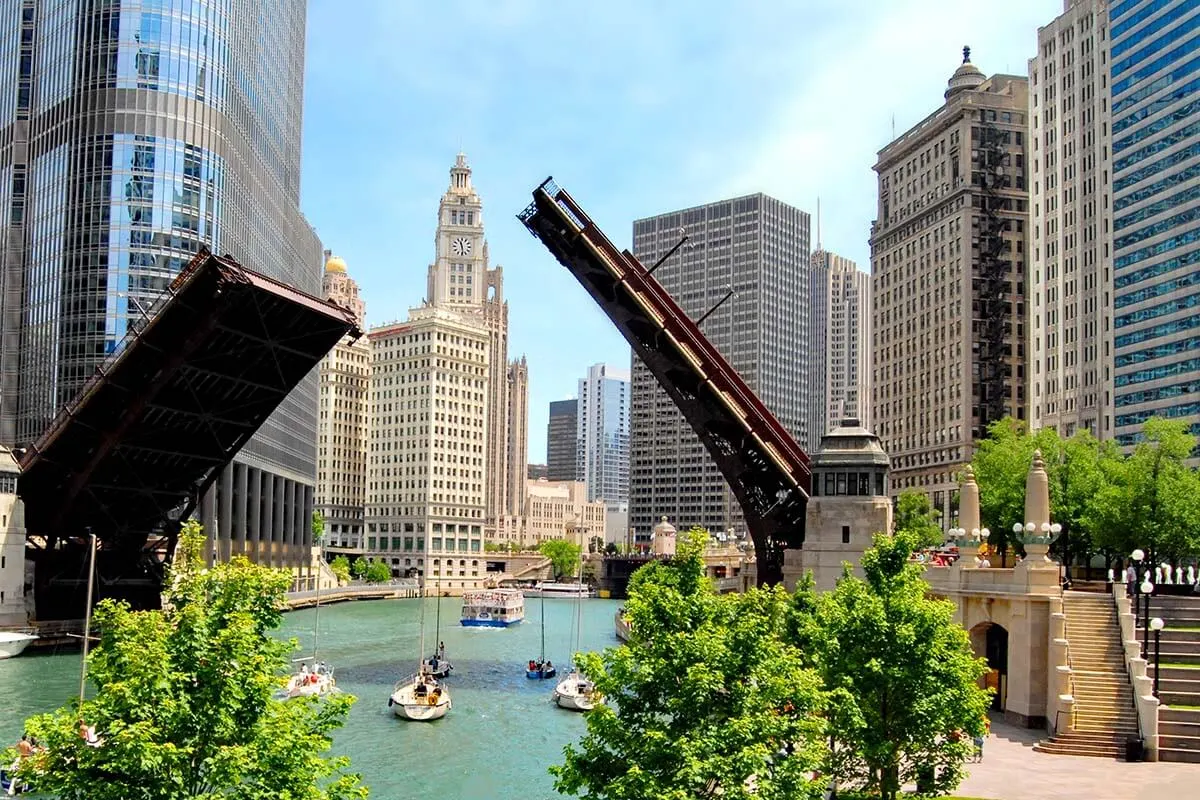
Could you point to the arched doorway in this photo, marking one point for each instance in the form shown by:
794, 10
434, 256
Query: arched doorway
990, 641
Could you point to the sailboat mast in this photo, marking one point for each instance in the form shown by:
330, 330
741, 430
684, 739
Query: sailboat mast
543, 625
87, 613
317, 618
438, 626
421, 652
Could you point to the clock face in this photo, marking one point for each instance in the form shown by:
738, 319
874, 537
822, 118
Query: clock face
461, 246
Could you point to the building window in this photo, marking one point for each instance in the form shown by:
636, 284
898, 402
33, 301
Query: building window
845, 534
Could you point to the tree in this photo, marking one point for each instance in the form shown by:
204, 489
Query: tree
903, 682
1075, 469
1151, 499
612, 549
340, 567
184, 700
318, 527
378, 572
706, 699
358, 568
915, 515
564, 556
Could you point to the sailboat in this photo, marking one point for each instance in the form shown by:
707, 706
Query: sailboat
437, 664
576, 692
420, 697
541, 669
318, 679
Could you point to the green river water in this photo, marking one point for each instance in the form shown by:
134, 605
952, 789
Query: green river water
497, 741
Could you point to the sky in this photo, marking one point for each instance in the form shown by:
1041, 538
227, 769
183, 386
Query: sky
635, 108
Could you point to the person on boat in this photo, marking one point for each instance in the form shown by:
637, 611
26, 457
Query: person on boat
442, 651
548, 666
88, 734
25, 746
533, 665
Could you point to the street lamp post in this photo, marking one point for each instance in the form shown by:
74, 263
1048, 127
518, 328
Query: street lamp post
1147, 589
1156, 625
967, 541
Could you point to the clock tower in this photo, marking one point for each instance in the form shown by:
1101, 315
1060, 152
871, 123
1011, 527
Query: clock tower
459, 276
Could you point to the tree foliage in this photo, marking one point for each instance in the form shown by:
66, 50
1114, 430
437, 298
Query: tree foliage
705, 700
1151, 499
340, 567
915, 515
184, 704
378, 572
1076, 469
318, 527
903, 682
358, 567
564, 556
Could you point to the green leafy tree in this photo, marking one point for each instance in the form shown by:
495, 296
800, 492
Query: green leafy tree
706, 700
564, 556
915, 515
358, 568
184, 700
340, 567
612, 549
378, 572
1151, 499
1076, 468
318, 527
904, 694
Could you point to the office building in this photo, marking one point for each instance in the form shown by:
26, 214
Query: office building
758, 247
130, 136
847, 337
562, 441
817, 411
602, 443
1070, 275
426, 465
556, 510
461, 279
517, 462
948, 252
536, 472
343, 419
1155, 91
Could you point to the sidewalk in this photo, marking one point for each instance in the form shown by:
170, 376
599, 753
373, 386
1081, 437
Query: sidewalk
1011, 770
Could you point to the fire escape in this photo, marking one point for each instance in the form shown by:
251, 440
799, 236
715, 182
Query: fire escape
992, 286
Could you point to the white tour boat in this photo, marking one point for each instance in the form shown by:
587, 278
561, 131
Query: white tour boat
569, 590
493, 608
13, 643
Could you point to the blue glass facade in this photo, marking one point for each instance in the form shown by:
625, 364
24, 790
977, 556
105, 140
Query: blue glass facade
133, 132
1155, 86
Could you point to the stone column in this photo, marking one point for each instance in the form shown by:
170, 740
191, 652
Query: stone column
1037, 506
968, 518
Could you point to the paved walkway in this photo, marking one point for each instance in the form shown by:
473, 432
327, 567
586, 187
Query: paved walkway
1011, 770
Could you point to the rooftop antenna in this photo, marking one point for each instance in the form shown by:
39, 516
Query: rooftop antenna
818, 222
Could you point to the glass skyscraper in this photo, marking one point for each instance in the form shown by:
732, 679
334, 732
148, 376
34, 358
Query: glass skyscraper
1155, 88
131, 133
602, 434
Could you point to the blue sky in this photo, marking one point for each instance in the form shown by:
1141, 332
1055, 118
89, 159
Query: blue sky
636, 108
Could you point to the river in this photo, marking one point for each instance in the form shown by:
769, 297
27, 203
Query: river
497, 741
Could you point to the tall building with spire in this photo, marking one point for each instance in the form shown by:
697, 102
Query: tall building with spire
948, 271
343, 420
461, 279
847, 340
518, 436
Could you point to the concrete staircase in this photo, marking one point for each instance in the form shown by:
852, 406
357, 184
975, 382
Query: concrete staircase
1179, 679
1104, 711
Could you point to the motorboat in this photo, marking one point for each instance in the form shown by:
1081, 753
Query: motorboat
420, 698
576, 693
13, 643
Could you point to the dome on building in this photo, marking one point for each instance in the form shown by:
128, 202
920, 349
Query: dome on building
967, 76
850, 444
335, 264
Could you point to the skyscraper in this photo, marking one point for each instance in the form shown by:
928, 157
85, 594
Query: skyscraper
603, 441
130, 136
758, 247
847, 341
817, 404
425, 468
518, 436
1070, 287
948, 281
343, 421
1155, 89
562, 441
462, 280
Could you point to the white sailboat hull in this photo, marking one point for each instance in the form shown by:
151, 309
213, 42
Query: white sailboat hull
13, 644
575, 693
324, 685
442, 669
406, 704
